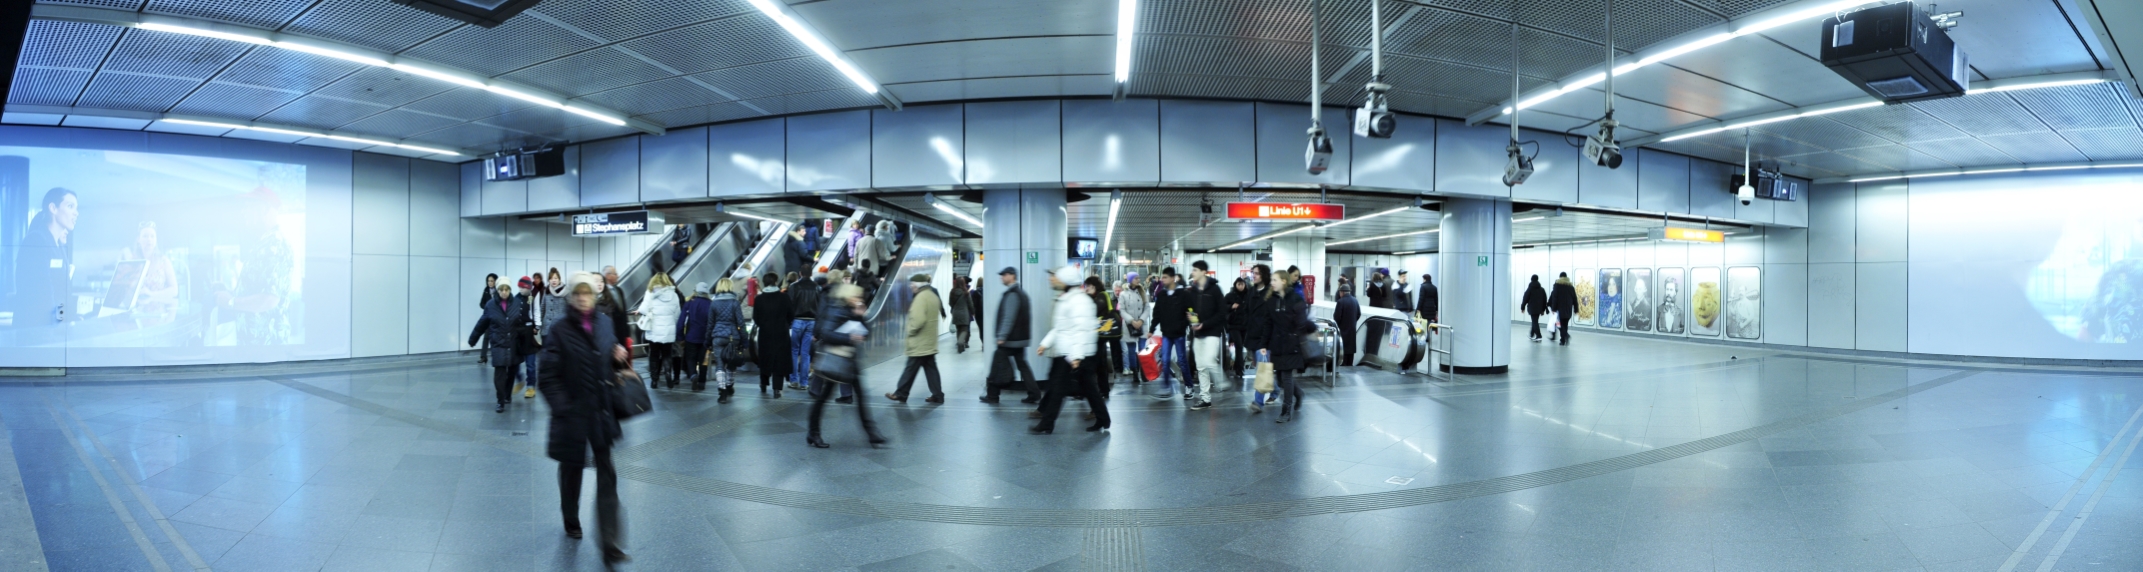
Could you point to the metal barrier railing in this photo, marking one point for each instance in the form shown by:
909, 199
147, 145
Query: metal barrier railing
1435, 363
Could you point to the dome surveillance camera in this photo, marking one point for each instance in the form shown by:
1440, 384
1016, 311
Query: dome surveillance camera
1747, 194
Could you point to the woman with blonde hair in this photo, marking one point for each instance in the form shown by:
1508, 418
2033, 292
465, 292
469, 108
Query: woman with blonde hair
658, 312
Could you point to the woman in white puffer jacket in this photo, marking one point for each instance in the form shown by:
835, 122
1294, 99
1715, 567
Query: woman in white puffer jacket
659, 311
1073, 332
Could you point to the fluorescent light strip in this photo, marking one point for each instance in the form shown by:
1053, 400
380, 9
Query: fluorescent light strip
754, 216
1993, 171
1403, 234
804, 33
1126, 24
297, 133
956, 213
1753, 123
449, 77
1268, 237
1370, 216
1115, 202
2015, 87
1530, 218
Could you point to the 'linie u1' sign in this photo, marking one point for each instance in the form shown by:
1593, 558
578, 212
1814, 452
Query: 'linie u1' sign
1287, 211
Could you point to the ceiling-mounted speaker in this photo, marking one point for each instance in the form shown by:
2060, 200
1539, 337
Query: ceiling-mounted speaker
485, 13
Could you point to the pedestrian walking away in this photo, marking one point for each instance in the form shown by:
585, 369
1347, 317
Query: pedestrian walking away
1563, 301
773, 315
1534, 303
840, 333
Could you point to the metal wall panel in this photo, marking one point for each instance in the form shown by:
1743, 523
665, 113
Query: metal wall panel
561, 192
1792, 213
1013, 142
434, 324
1604, 187
920, 147
469, 281
1469, 161
379, 302
746, 158
1112, 142
505, 197
1405, 162
1744, 249
1880, 314
483, 238
1708, 186
1785, 304
1208, 142
1282, 136
379, 204
610, 172
1832, 222
1662, 182
673, 166
472, 189
562, 245
1785, 245
1758, 210
527, 239
829, 151
1880, 224
1831, 310
434, 218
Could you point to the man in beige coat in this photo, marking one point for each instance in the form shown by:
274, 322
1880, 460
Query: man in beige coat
922, 341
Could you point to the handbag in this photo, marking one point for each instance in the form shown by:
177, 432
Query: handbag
628, 397
1264, 381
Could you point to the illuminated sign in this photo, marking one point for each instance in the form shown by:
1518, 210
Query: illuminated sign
1286, 211
1688, 235
606, 224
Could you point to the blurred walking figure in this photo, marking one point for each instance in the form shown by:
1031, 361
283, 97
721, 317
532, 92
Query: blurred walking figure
921, 340
1131, 313
1013, 334
1070, 344
840, 331
582, 359
773, 315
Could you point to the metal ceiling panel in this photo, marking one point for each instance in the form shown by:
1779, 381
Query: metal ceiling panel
321, 112
287, 70
1821, 132
469, 104
518, 43
72, 45
1769, 145
863, 24
382, 86
233, 101
172, 55
120, 4
1220, 56
1899, 158
656, 96
270, 14
2097, 106
1638, 117
169, 127
33, 118
2107, 144
588, 72
1638, 23
1983, 114
1004, 87
794, 75
400, 123
744, 40
481, 136
700, 114
262, 136
2045, 147
1442, 78
1764, 66
1903, 123
112, 90
850, 98
1186, 85
620, 21
1966, 151
2005, 38
592, 131
1476, 41
382, 26
1805, 37
1838, 162
1346, 21
41, 86
1073, 55
1427, 104
1688, 92
542, 120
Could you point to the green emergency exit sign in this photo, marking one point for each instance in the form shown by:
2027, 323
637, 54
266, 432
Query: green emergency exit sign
1480, 260
1034, 257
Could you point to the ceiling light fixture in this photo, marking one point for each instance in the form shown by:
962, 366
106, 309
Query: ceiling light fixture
1268, 236
2018, 86
1765, 120
1116, 201
1126, 24
1986, 171
803, 33
933, 200
297, 133
1530, 218
1403, 234
724, 210
1370, 216
269, 39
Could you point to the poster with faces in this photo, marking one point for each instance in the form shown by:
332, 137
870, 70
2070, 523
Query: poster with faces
1672, 312
1744, 302
1637, 300
1611, 298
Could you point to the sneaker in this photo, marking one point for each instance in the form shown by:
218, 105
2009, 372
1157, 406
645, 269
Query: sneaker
1203, 405
1256, 407
530, 394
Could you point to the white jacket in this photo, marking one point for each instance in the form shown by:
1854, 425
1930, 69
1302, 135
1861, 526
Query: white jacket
1074, 327
659, 311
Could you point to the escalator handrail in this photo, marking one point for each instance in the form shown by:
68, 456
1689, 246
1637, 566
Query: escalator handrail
757, 258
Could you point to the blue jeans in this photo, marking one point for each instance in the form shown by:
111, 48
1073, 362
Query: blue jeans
1180, 350
800, 350
530, 363
1132, 346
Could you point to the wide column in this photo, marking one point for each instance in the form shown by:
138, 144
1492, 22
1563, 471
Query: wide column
1024, 229
1474, 293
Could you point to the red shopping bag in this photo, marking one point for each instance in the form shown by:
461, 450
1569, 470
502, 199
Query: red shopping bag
1149, 358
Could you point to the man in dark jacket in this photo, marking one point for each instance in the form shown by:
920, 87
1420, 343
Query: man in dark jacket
774, 313
1379, 290
1171, 314
1534, 303
1427, 303
795, 255
1348, 312
1014, 331
476, 334
612, 303
805, 300
1402, 295
1207, 336
1564, 303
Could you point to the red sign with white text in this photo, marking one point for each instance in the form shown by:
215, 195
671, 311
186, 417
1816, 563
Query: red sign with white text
1287, 211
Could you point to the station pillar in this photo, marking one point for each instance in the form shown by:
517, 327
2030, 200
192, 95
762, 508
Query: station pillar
1303, 251
1474, 257
1023, 229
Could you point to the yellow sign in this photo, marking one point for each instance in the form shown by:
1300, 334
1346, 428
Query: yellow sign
1688, 235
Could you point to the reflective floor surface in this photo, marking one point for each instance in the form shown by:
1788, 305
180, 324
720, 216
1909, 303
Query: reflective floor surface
1615, 453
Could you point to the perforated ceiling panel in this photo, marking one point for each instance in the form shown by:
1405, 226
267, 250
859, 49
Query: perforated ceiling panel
381, 86
2045, 147
795, 75
400, 123
287, 70
467, 104
2107, 144
132, 92
704, 114
269, 14
172, 55
518, 43
228, 100
618, 21
321, 112
1964, 151
383, 26
1898, 123
588, 72
2097, 106
664, 95
745, 40
44, 86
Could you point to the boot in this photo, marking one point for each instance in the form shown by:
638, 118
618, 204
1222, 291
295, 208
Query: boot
814, 441
725, 393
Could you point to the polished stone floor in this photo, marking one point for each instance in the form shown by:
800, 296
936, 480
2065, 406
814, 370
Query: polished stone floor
1615, 453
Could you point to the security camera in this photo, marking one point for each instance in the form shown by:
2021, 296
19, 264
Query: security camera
1747, 194
1374, 119
1518, 169
1205, 206
1601, 148
1319, 155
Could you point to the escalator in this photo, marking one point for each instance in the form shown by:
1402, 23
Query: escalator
888, 313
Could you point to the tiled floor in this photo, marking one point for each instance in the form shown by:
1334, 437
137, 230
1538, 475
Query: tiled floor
1616, 453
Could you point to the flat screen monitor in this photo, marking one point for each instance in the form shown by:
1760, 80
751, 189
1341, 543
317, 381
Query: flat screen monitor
1084, 248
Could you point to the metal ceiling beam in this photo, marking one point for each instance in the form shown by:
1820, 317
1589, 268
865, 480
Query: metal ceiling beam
445, 74
1660, 52
1978, 88
2096, 13
152, 117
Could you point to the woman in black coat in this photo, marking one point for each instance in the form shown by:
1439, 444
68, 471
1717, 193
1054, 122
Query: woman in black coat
843, 304
1281, 331
581, 357
503, 314
772, 314
1238, 302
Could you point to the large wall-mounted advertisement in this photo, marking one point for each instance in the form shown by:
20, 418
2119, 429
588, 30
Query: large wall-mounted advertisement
1611, 298
1744, 303
1673, 304
1588, 296
1705, 298
131, 257
1638, 300
2028, 266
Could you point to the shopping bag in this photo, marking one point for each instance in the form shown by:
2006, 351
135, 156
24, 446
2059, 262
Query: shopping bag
1149, 359
1264, 382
